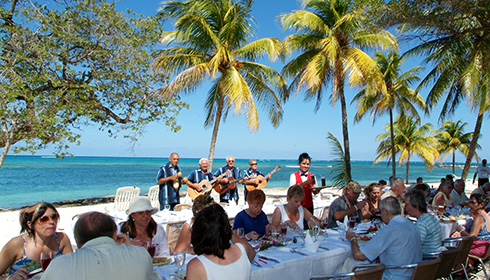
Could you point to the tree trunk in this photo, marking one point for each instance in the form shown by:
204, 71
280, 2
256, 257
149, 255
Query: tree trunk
474, 142
345, 131
408, 167
214, 137
392, 135
454, 159
4, 152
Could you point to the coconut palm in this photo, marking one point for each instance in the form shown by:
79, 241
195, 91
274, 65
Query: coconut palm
332, 34
410, 139
210, 42
399, 97
451, 138
338, 170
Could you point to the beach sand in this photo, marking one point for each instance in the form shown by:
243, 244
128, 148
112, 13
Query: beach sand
9, 220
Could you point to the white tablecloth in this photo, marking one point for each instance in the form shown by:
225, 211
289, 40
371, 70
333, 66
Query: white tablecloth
292, 265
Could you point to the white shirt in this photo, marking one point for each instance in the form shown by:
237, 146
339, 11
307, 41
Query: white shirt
101, 259
483, 172
238, 270
456, 198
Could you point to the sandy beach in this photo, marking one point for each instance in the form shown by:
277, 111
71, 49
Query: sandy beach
9, 220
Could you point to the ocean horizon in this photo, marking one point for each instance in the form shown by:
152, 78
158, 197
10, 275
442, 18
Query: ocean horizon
25, 180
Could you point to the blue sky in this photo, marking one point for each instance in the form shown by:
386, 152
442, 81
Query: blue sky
301, 130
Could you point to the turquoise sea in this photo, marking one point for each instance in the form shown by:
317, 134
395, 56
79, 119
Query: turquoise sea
25, 180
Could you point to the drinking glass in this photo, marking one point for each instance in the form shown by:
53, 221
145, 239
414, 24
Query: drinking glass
167, 207
325, 223
284, 228
316, 230
46, 258
441, 209
275, 234
151, 248
179, 258
240, 232
352, 222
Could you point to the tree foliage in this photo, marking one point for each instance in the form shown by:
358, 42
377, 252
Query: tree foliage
66, 64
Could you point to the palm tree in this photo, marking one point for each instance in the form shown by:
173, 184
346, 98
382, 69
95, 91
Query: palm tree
398, 97
338, 170
410, 138
210, 42
451, 137
332, 36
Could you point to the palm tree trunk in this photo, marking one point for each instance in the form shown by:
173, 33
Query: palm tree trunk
474, 142
340, 91
408, 167
392, 135
454, 159
217, 121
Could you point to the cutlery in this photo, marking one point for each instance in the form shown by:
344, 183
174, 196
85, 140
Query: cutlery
254, 262
268, 258
297, 252
324, 248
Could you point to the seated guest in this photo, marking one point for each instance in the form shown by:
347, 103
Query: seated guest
397, 243
142, 228
253, 220
99, 256
484, 189
372, 194
38, 234
292, 213
396, 190
184, 241
480, 226
217, 257
428, 225
457, 194
346, 204
424, 189
443, 196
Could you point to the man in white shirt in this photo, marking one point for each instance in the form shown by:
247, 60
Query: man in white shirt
99, 257
483, 171
457, 194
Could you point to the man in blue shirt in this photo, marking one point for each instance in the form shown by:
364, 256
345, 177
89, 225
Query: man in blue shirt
229, 194
397, 243
169, 179
198, 175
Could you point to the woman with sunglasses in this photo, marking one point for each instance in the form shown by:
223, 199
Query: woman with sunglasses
480, 227
372, 193
22, 254
142, 228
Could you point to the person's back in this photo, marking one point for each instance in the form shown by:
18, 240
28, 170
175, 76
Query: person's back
430, 233
102, 258
239, 266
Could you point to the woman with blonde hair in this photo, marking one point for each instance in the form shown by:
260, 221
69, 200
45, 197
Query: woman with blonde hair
22, 254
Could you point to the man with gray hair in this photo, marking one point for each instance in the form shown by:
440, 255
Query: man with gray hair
457, 194
397, 243
397, 191
99, 257
198, 175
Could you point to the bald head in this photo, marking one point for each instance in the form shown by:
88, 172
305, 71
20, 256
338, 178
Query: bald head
91, 225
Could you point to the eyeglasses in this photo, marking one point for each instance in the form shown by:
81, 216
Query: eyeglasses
45, 219
253, 164
230, 161
472, 202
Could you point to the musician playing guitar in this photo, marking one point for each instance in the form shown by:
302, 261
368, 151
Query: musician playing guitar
170, 182
199, 174
252, 173
234, 173
306, 180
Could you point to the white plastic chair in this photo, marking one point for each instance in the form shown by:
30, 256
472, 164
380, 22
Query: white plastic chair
153, 196
124, 195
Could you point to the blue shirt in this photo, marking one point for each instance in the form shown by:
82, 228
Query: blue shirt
249, 224
197, 176
167, 193
430, 233
235, 173
397, 243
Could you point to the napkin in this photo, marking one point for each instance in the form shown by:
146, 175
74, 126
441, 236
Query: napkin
310, 245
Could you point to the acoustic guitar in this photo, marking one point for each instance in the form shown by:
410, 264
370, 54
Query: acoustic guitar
222, 188
207, 186
260, 181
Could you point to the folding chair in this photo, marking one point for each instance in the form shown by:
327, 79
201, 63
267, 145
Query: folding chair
483, 260
465, 243
374, 273
153, 196
124, 195
448, 258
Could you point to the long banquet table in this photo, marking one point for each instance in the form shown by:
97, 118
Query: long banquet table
292, 265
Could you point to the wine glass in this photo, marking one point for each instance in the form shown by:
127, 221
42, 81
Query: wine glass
240, 232
46, 258
166, 207
284, 228
151, 248
352, 222
179, 258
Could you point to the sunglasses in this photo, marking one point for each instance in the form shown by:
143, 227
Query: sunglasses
230, 161
253, 164
45, 219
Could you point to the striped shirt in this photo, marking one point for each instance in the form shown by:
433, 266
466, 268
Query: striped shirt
430, 233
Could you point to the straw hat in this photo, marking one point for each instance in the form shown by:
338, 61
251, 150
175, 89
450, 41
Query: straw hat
140, 204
